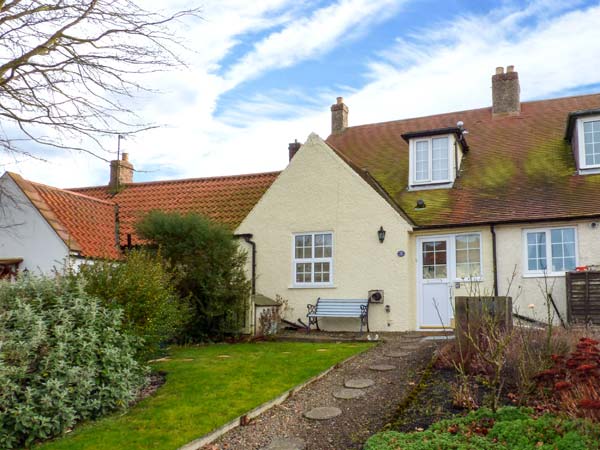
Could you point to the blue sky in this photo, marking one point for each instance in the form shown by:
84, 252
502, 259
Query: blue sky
264, 73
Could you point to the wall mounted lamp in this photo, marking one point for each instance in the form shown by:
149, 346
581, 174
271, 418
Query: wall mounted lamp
381, 234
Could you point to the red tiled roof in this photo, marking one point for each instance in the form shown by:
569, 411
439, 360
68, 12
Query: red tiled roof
226, 200
85, 224
518, 168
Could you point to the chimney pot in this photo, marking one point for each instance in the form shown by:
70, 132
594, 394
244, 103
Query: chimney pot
125, 157
293, 148
506, 92
339, 116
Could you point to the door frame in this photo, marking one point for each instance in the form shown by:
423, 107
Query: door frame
451, 268
449, 272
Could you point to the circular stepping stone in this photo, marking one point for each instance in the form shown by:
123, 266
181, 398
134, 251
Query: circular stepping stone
223, 356
348, 394
359, 383
382, 367
323, 413
397, 354
286, 444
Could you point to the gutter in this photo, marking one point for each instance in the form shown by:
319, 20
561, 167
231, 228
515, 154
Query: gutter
506, 222
248, 238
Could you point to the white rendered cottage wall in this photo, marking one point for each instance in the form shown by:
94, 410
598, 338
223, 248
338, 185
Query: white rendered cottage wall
318, 191
529, 290
24, 233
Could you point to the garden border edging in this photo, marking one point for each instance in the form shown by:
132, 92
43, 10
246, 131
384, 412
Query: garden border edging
209, 438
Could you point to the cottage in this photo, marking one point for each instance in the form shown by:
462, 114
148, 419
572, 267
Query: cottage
495, 201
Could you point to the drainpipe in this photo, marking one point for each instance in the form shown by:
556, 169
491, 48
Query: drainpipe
494, 259
248, 238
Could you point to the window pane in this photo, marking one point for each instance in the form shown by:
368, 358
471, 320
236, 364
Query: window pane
439, 158
322, 245
563, 249
592, 142
422, 160
536, 250
462, 256
322, 271
303, 272
434, 259
468, 256
303, 244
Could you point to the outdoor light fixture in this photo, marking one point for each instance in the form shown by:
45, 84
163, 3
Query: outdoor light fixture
381, 234
420, 204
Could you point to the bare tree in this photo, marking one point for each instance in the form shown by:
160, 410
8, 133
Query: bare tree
69, 69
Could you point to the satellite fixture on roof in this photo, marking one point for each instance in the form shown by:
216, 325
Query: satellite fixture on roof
460, 124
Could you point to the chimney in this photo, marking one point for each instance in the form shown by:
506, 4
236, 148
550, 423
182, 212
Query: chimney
339, 116
121, 172
506, 92
293, 148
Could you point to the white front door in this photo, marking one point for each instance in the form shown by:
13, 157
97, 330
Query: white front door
434, 281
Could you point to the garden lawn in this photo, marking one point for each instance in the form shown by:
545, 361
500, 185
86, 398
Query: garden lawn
206, 387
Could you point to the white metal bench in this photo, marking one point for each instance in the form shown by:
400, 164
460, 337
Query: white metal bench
327, 307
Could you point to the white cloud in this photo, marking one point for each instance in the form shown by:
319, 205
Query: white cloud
312, 35
445, 68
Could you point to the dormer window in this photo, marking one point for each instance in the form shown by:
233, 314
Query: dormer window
435, 157
432, 160
590, 149
583, 132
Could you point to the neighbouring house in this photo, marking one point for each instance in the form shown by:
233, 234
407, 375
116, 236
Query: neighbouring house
493, 201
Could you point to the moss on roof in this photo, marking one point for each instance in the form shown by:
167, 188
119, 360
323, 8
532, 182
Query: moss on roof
518, 168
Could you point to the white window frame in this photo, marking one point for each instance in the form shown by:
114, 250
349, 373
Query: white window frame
480, 277
581, 142
548, 272
312, 261
451, 256
413, 161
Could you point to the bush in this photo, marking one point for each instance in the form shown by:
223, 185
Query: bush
143, 289
63, 359
572, 384
509, 428
209, 269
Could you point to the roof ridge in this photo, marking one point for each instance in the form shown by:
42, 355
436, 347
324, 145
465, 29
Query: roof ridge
67, 191
180, 180
408, 119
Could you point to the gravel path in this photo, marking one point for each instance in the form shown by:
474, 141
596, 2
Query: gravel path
360, 418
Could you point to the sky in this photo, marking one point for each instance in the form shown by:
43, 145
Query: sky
263, 73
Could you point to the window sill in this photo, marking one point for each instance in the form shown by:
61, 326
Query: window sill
590, 170
542, 275
312, 286
425, 186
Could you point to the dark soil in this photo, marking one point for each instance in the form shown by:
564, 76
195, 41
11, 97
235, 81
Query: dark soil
155, 380
431, 401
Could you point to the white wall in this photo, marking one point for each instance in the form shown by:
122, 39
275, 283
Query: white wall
320, 192
530, 290
24, 233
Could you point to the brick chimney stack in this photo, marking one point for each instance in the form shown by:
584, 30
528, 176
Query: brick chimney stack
339, 116
506, 92
121, 172
293, 148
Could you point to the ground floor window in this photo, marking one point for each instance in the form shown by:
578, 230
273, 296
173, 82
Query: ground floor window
313, 259
455, 256
550, 251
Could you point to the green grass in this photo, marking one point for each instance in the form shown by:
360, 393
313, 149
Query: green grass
204, 391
